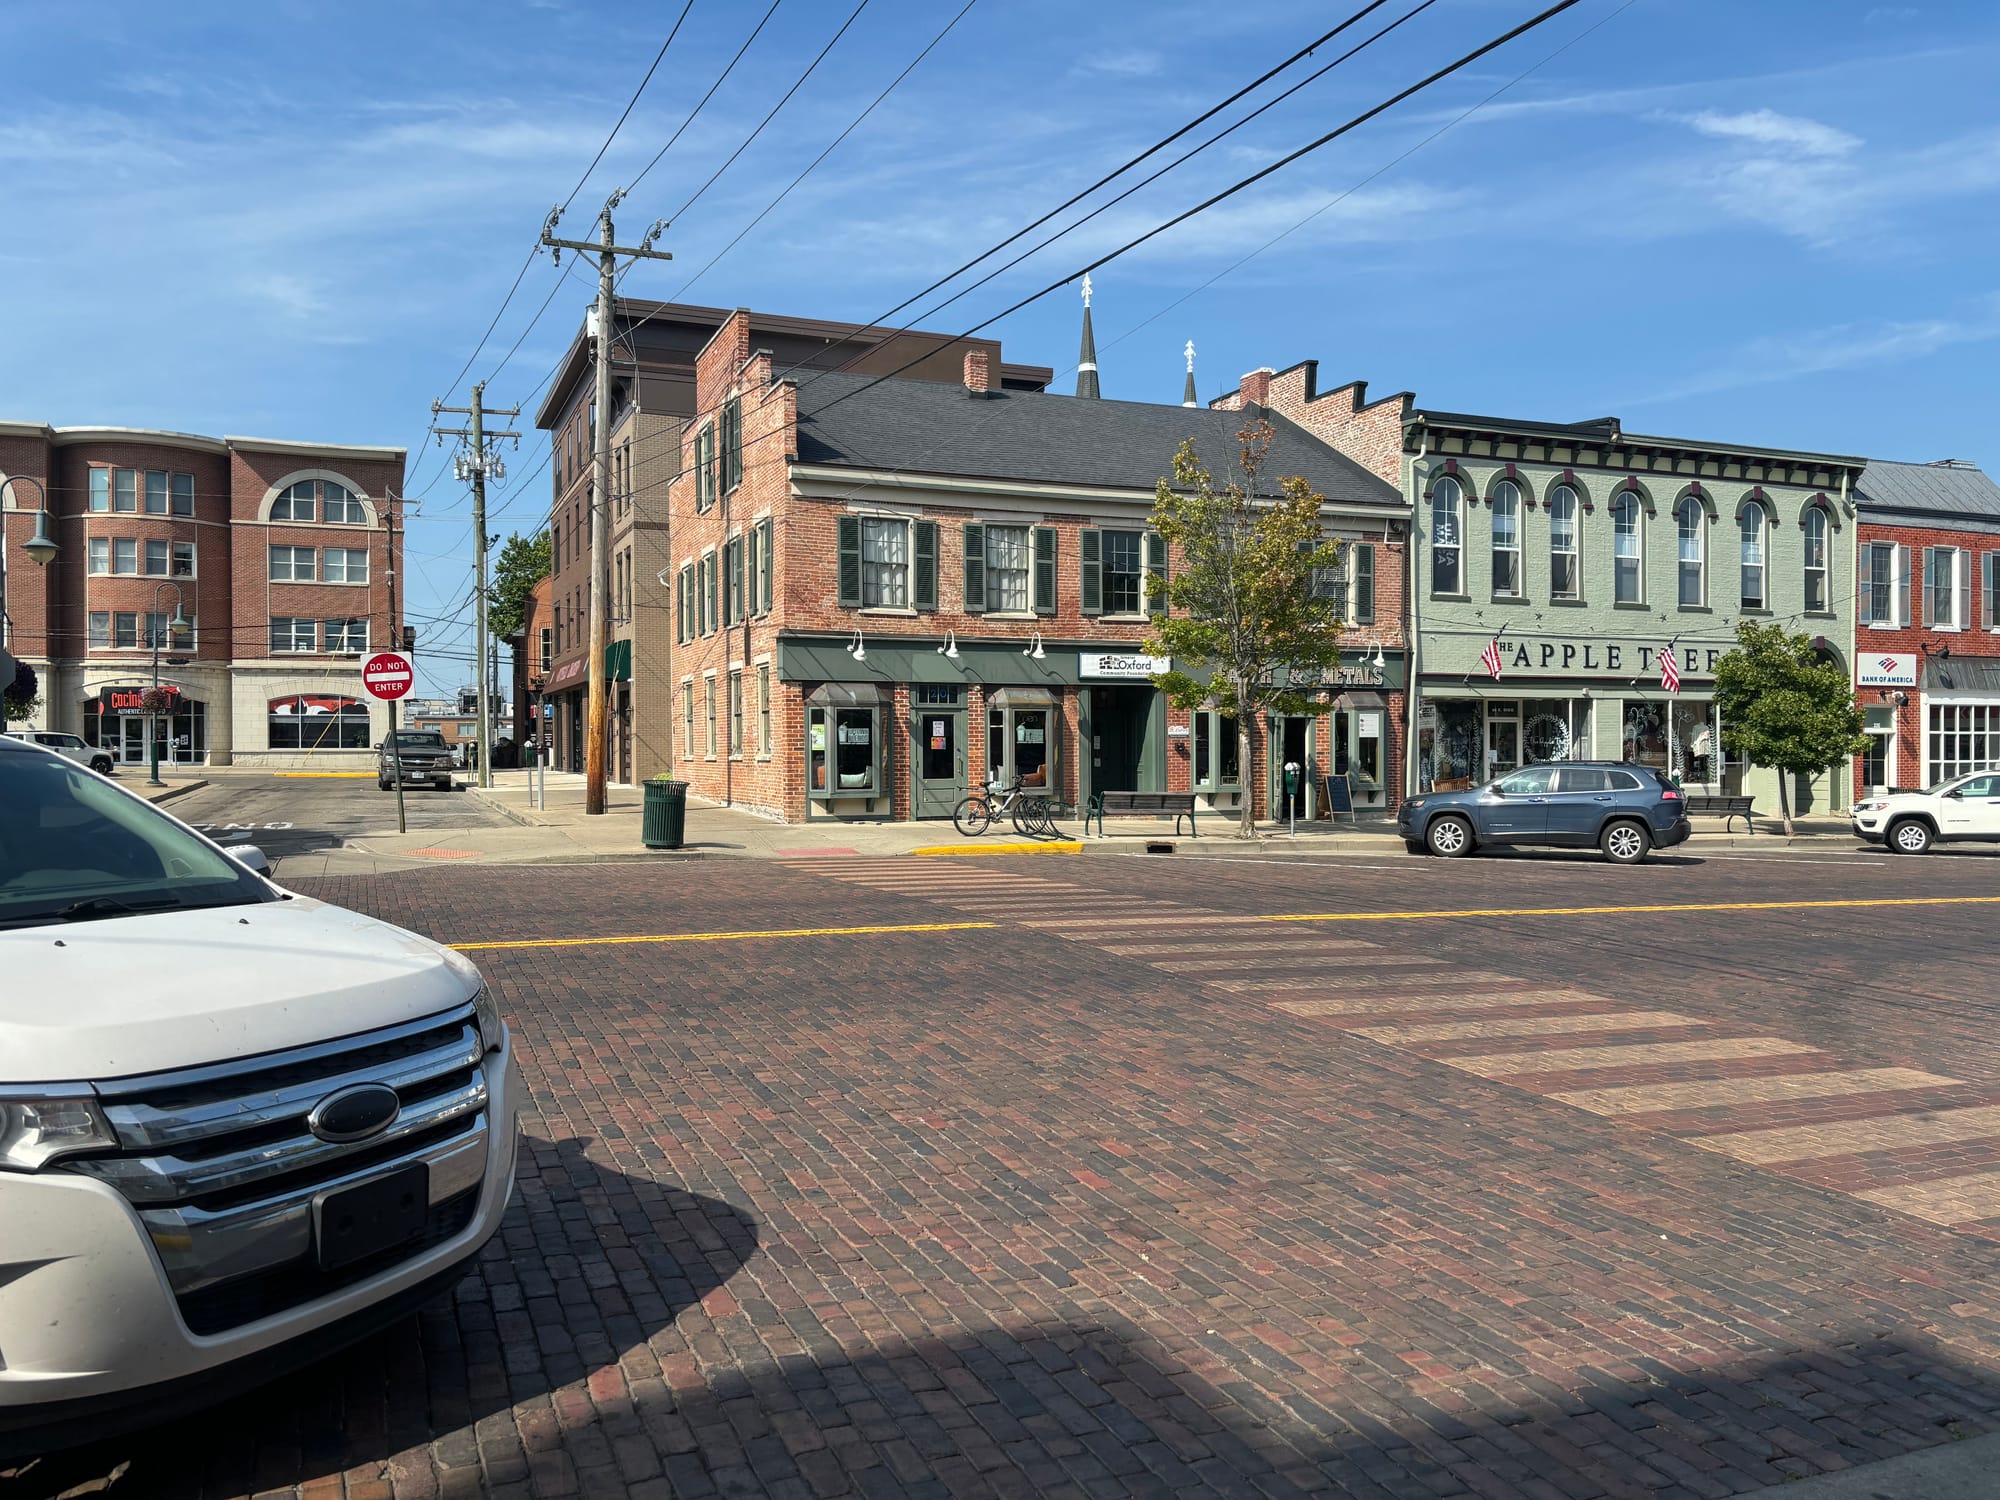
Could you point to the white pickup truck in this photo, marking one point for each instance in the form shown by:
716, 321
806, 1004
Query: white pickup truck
239, 1127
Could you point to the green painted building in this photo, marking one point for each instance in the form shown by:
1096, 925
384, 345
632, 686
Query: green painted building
1553, 566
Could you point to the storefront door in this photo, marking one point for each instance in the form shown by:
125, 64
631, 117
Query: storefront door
1119, 722
1503, 746
132, 739
937, 761
1291, 740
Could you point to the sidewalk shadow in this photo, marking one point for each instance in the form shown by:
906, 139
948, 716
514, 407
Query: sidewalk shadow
590, 1263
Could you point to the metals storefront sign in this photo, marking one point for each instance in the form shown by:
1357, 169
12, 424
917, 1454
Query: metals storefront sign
1121, 666
1886, 669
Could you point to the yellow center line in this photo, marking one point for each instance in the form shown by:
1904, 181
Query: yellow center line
1586, 911
716, 937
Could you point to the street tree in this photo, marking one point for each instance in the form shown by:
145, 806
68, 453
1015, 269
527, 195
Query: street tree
1239, 605
1786, 705
22, 696
523, 562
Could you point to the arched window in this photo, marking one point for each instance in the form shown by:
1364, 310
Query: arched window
342, 504
1751, 522
296, 503
1507, 540
1564, 579
1627, 576
1447, 533
1816, 558
1688, 518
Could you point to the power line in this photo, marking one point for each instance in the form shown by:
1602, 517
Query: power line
705, 97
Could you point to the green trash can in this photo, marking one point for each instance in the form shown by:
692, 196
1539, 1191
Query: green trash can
664, 822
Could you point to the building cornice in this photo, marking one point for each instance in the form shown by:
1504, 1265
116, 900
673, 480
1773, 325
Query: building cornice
194, 442
343, 450
1606, 437
40, 430
1029, 492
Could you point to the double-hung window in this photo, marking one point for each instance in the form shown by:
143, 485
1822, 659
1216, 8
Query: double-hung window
1882, 597
125, 489
290, 634
1565, 580
704, 468
885, 563
1947, 588
124, 554
687, 720
764, 710
1009, 569
158, 555
544, 651
100, 554
100, 628
1688, 528
732, 581
1506, 503
711, 611
1989, 590
125, 629
342, 505
100, 489
344, 565
183, 564
156, 492
293, 564
1447, 536
296, 503
1816, 559
708, 702
1124, 572
1628, 581
183, 494
346, 635
736, 714
1751, 525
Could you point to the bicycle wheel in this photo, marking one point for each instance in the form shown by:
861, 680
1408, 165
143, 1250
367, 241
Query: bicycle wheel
972, 817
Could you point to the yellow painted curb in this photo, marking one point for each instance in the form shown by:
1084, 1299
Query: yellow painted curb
1591, 911
1060, 846
717, 937
327, 775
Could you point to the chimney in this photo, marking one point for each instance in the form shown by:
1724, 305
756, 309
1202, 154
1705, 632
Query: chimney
978, 371
1257, 387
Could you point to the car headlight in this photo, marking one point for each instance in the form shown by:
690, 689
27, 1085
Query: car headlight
1871, 806
486, 1015
35, 1129
1414, 802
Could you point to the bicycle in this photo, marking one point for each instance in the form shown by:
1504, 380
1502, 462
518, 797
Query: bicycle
1033, 815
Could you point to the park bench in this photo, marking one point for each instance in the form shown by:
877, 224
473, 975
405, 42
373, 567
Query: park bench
1727, 808
1140, 804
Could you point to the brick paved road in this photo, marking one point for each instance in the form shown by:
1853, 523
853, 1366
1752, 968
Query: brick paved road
1136, 1191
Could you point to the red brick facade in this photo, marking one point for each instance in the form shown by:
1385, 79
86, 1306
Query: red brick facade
160, 524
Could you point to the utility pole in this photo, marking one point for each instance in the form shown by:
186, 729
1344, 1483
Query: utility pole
475, 465
607, 252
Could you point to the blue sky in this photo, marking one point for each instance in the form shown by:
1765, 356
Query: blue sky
1763, 222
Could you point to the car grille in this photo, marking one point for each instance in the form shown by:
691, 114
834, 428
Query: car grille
223, 1171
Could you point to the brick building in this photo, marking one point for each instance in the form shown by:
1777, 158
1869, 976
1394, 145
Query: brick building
888, 593
653, 399
1927, 652
277, 555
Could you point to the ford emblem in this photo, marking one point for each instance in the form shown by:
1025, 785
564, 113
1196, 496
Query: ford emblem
354, 1114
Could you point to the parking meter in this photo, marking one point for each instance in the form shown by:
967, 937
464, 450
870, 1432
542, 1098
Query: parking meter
1292, 793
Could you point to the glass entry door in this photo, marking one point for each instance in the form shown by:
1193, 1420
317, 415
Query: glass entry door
1503, 746
132, 739
937, 762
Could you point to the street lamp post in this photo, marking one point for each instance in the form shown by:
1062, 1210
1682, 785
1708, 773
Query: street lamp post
41, 549
175, 626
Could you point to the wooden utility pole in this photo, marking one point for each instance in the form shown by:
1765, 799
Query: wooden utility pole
476, 464
607, 252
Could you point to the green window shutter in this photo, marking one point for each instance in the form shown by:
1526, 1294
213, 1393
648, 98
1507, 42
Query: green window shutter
1090, 574
681, 606
850, 562
1364, 583
708, 600
1988, 585
975, 569
767, 538
924, 552
732, 436
739, 582
1045, 570
1156, 572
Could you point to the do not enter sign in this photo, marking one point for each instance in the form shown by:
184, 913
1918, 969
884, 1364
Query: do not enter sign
388, 675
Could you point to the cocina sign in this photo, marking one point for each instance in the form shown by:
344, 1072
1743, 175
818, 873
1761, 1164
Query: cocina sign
388, 675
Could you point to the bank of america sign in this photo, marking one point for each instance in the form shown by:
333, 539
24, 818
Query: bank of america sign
1888, 669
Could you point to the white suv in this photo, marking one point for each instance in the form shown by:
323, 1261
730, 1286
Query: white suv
1965, 808
69, 746
239, 1128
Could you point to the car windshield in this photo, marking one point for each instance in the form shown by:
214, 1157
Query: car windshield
74, 848
417, 739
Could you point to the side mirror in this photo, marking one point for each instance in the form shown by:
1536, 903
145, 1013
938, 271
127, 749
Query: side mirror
1956, 793
250, 857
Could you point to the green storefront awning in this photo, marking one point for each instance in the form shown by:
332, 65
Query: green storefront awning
618, 662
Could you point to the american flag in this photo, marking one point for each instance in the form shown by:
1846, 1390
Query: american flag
1670, 670
1490, 658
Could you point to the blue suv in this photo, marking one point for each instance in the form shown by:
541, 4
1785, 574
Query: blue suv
1626, 811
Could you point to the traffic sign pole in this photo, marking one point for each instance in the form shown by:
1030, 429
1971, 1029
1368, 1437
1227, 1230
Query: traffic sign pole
388, 675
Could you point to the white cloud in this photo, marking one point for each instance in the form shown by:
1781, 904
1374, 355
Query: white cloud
1766, 127
1130, 64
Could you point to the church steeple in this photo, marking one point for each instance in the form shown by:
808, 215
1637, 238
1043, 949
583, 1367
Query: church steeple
1188, 397
1086, 359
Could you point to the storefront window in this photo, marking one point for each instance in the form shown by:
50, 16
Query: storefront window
318, 721
1020, 743
1454, 754
1368, 744
1217, 755
1645, 733
854, 749
1550, 730
1964, 737
1696, 753
1031, 746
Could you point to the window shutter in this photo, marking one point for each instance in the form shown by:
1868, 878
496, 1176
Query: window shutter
732, 436
1090, 573
1902, 589
1364, 583
1156, 572
975, 569
1989, 588
1930, 585
768, 538
1045, 570
1863, 572
680, 606
850, 562
740, 579
708, 595
1962, 560
924, 551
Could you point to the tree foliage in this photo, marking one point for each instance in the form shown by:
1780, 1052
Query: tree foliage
1240, 594
22, 697
1785, 705
523, 562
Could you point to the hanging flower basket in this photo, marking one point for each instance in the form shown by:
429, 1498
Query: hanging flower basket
158, 701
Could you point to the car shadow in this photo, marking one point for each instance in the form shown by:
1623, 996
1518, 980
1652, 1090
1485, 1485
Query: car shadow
590, 1263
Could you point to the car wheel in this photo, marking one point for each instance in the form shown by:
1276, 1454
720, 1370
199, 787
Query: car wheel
1910, 836
1625, 843
381, 785
1416, 846
1449, 837
101, 764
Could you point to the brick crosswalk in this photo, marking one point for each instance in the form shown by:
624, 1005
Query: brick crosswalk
1575, 1047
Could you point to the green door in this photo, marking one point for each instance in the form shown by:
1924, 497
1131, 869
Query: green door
937, 761
1118, 724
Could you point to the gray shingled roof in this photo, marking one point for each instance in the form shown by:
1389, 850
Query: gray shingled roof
1933, 489
927, 427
